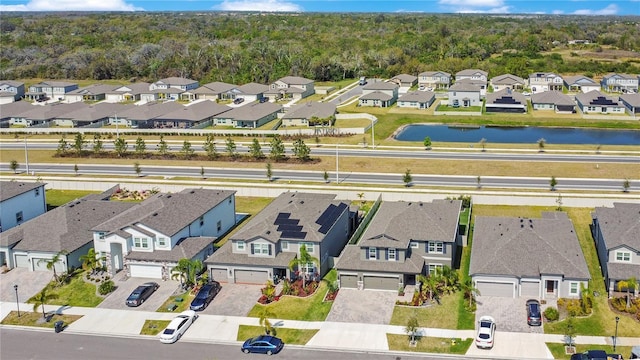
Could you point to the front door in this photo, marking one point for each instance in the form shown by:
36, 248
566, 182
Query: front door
551, 286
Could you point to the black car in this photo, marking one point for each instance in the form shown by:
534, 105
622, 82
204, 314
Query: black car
590, 355
263, 344
204, 296
141, 293
534, 317
264, 99
238, 100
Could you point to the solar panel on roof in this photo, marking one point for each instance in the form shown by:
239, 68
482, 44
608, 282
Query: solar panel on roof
282, 218
293, 234
286, 227
329, 217
601, 100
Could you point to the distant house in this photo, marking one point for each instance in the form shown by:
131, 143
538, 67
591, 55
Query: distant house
507, 81
620, 83
529, 258
43, 115
20, 202
311, 113
264, 247
616, 232
474, 77
251, 115
250, 92
148, 239
11, 91
631, 102
95, 92
597, 102
13, 110
379, 94
403, 240
553, 100
198, 115
506, 100
580, 83
291, 87
434, 80
183, 88
95, 115
404, 80
215, 91
55, 90
541, 81
462, 94
127, 93
145, 116
417, 100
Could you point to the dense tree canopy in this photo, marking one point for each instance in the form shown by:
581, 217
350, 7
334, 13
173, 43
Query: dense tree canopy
243, 47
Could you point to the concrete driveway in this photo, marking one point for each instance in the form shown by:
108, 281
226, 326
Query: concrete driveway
363, 306
29, 283
514, 346
116, 299
510, 314
234, 300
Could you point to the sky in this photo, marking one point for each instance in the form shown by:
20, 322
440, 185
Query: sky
562, 7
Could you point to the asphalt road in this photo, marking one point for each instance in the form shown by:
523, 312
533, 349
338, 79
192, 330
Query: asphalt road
18, 344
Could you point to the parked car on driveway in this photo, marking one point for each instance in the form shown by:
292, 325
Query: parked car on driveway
534, 316
177, 327
264, 344
238, 100
141, 293
204, 296
486, 332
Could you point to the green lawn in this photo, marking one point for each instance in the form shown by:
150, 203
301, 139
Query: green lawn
558, 350
429, 344
28, 318
153, 327
76, 293
443, 316
57, 198
182, 301
289, 336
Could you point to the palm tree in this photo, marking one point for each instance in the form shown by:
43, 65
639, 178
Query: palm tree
469, 290
51, 263
91, 261
431, 285
265, 314
186, 271
302, 262
41, 299
630, 284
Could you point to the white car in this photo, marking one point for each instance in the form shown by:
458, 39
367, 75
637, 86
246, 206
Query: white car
178, 326
486, 332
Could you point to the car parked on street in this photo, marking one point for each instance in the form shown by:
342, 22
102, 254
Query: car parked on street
141, 293
264, 344
591, 355
486, 332
205, 295
178, 326
534, 316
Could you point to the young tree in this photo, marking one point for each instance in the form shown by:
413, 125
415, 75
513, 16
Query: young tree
140, 146
63, 146
469, 291
76, 169
187, 151
553, 182
483, 143
209, 147
91, 260
256, 150
301, 150
163, 147
407, 178
186, 271
79, 143
277, 149
121, 146
317, 141
569, 331
541, 143
41, 299
98, 145
626, 185
325, 176
231, 147
13, 165
559, 202
479, 182
630, 284
411, 329
202, 172
269, 171
51, 263
137, 168
265, 314
302, 262
427, 143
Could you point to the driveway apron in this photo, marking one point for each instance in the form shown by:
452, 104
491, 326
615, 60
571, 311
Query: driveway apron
363, 306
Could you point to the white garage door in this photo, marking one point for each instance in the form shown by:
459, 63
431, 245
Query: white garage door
495, 289
22, 261
146, 271
250, 276
40, 264
381, 283
348, 281
530, 289
219, 275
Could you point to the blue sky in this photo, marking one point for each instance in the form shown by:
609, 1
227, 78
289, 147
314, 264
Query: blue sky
567, 7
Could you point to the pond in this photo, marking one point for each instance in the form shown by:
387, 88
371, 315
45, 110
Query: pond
518, 135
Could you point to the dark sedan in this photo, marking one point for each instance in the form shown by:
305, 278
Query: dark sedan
204, 296
534, 317
264, 344
141, 293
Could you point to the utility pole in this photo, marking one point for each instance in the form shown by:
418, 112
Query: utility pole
26, 154
337, 176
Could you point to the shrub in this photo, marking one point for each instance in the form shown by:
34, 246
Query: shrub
106, 287
551, 314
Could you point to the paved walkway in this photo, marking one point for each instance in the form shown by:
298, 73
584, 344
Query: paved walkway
332, 335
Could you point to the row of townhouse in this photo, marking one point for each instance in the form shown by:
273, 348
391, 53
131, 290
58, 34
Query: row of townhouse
510, 257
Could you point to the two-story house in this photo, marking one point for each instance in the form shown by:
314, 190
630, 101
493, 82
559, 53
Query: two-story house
462, 94
616, 232
379, 94
127, 93
11, 91
174, 88
580, 83
20, 202
620, 83
403, 240
434, 80
599, 103
475, 77
150, 238
404, 80
541, 81
54, 90
507, 81
530, 258
291, 87
264, 247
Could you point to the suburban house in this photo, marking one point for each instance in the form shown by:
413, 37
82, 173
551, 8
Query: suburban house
462, 94
148, 239
95, 115
20, 202
127, 93
529, 258
597, 102
13, 110
434, 80
404, 239
251, 115
66, 228
215, 91
506, 100
11, 91
291, 87
404, 80
507, 81
616, 232
580, 83
475, 77
43, 115
541, 81
264, 247
94, 92
198, 115
620, 83
553, 100
55, 90
145, 116
312, 113
631, 102
379, 94
251, 91
417, 100
183, 85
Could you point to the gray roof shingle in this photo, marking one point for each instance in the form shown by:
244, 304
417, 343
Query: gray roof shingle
351, 260
506, 93
376, 95
251, 112
311, 109
620, 225
418, 96
9, 189
552, 97
507, 79
185, 248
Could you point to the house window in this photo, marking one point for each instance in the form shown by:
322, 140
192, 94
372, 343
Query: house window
435, 247
433, 268
219, 225
624, 256
391, 254
162, 241
284, 245
240, 245
373, 253
261, 249
101, 236
141, 243
19, 217
309, 247
201, 220
37, 192
574, 288
414, 245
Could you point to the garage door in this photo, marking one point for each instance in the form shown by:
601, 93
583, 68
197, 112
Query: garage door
40, 264
349, 281
250, 276
219, 275
381, 283
530, 289
22, 261
146, 271
495, 289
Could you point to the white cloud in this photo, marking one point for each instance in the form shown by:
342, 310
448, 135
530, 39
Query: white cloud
609, 10
473, 3
498, 10
72, 5
557, 12
267, 6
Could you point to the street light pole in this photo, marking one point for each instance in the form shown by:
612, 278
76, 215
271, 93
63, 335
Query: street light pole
373, 134
26, 154
615, 338
337, 176
15, 287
